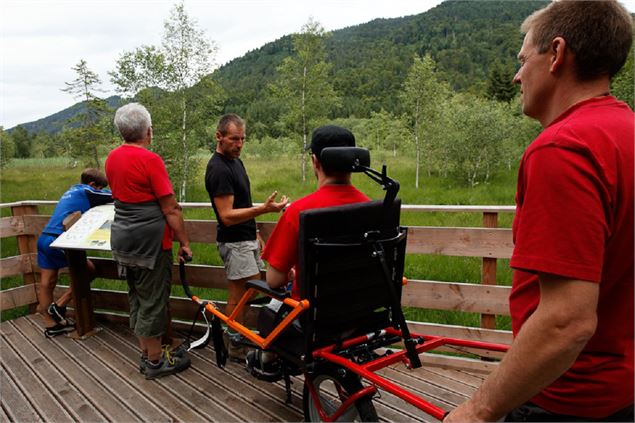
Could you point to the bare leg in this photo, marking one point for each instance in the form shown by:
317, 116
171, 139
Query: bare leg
48, 280
236, 290
152, 347
68, 295
168, 337
65, 298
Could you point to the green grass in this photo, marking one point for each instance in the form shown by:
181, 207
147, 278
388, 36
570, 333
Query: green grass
48, 179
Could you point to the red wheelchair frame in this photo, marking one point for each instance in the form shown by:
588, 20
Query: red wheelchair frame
329, 354
367, 370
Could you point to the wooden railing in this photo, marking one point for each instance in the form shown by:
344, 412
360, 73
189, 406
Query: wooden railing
487, 298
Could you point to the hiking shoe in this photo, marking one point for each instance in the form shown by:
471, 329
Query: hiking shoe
179, 351
168, 365
58, 329
176, 352
57, 313
236, 350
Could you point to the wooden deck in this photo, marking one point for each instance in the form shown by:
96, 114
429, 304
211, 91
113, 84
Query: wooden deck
97, 380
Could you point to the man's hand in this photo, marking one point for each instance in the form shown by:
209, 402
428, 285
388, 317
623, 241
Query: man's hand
231, 216
562, 324
272, 206
463, 413
184, 250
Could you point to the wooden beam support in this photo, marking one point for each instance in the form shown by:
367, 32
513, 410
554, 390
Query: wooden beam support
27, 244
488, 271
80, 284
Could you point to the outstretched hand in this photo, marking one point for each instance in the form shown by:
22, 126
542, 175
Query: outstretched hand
272, 206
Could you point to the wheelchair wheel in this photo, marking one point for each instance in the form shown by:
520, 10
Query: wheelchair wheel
333, 387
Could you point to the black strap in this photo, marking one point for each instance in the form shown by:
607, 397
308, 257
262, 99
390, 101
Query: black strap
204, 340
411, 343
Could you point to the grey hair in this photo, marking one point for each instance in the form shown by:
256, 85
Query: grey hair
133, 121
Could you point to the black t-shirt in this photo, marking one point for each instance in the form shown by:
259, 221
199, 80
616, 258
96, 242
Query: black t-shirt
229, 177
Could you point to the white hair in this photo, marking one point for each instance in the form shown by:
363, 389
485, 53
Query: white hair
133, 121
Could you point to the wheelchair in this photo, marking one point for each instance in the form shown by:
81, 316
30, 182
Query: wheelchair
346, 324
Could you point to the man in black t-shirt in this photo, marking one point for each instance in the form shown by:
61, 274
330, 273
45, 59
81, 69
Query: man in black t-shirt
229, 190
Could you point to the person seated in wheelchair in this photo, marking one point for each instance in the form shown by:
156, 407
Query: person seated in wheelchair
334, 188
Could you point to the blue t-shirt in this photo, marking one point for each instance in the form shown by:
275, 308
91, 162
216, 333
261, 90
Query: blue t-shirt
79, 197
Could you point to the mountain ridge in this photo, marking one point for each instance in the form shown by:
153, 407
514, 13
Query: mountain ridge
371, 60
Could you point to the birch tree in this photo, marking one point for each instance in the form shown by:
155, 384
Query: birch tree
186, 55
303, 87
422, 95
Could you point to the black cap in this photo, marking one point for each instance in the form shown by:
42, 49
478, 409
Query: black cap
330, 136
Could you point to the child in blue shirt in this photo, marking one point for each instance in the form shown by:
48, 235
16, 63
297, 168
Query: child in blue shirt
80, 197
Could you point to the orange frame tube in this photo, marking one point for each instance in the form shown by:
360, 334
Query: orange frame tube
297, 307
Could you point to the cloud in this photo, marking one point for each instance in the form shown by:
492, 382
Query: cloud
41, 40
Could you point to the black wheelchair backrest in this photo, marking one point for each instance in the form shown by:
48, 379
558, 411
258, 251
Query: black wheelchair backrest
345, 159
340, 271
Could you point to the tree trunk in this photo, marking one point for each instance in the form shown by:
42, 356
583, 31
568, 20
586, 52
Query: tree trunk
418, 152
304, 137
418, 158
185, 159
96, 155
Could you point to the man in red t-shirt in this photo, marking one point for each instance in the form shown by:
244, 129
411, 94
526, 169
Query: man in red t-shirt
572, 295
334, 189
147, 218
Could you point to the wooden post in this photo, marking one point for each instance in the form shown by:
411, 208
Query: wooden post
27, 244
488, 270
82, 298
80, 285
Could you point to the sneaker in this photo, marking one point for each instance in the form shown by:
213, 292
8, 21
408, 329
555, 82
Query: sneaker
264, 365
176, 352
57, 313
179, 351
236, 350
168, 365
58, 329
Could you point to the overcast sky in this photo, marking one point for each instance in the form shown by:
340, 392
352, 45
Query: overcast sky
40, 40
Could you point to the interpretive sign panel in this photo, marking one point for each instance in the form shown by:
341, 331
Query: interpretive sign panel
90, 232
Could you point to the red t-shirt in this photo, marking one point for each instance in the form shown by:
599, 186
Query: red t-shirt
574, 219
281, 250
137, 175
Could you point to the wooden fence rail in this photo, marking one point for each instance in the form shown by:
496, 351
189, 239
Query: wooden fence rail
488, 243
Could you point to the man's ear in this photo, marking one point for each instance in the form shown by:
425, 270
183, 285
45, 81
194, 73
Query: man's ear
558, 50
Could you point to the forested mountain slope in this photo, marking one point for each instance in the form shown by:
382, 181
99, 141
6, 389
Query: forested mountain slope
371, 60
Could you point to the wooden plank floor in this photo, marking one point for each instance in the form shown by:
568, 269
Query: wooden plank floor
98, 380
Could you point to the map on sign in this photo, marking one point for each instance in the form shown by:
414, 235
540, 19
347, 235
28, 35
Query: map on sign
90, 232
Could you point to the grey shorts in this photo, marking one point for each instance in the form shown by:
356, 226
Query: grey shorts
241, 259
149, 296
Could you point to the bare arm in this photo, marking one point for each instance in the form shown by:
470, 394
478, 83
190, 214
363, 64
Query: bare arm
276, 278
231, 216
546, 346
174, 217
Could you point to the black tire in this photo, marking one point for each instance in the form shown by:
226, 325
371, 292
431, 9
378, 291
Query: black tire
333, 386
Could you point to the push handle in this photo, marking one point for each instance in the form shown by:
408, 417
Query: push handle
186, 286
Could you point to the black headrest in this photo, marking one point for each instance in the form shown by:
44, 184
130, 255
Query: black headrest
344, 159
